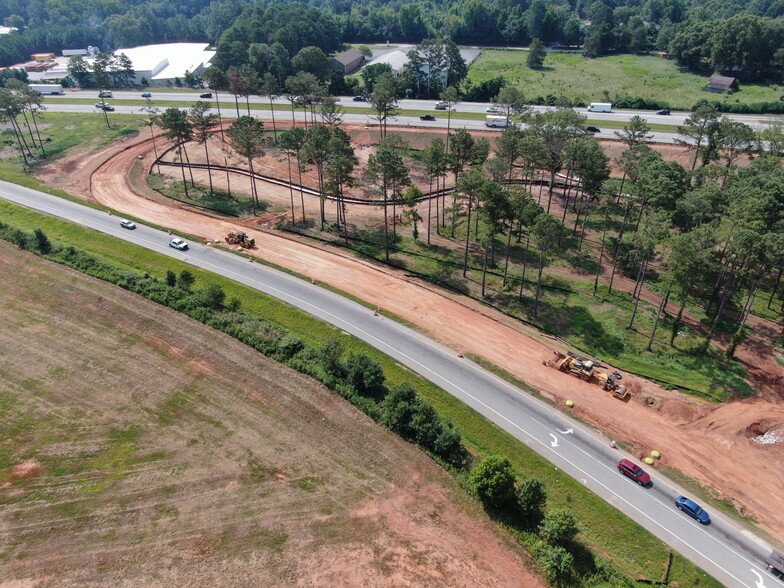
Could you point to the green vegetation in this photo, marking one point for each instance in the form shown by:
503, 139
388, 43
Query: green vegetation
581, 80
61, 131
633, 550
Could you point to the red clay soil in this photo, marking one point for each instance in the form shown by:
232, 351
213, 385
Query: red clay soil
712, 443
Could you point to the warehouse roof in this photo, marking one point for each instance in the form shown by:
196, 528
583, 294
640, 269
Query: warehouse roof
168, 61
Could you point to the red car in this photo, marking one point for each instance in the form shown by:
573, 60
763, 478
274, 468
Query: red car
633, 471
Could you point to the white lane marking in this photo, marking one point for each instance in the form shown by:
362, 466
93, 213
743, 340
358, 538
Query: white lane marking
554, 442
381, 343
566, 432
760, 579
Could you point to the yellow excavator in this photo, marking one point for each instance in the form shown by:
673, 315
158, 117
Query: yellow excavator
588, 370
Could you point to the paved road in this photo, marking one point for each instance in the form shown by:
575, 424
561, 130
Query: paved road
363, 119
757, 121
732, 555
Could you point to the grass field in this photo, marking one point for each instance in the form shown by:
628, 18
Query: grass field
632, 549
168, 451
606, 78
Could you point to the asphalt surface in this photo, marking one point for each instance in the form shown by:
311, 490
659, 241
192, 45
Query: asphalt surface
758, 122
723, 549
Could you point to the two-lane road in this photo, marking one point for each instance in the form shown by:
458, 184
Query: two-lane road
726, 551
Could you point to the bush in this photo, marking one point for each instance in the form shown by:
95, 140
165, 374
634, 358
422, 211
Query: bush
186, 280
364, 375
493, 480
329, 356
398, 408
558, 527
531, 498
638, 103
289, 346
214, 296
484, 91
171, 278
42, 243
556, 562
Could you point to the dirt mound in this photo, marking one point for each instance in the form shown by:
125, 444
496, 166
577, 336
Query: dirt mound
27, 470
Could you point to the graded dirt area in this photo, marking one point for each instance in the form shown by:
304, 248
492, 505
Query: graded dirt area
141, 448
710, 443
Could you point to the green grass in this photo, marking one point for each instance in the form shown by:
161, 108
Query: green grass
606, 78
605, 530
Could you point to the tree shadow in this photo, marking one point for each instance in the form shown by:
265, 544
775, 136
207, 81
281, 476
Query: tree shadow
577, 322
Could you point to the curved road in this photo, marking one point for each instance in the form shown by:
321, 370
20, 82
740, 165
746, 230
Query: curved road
726, 551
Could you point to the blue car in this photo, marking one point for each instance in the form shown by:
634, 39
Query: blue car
146, 95
692, 509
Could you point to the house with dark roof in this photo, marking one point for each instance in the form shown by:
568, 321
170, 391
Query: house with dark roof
720, 84
348, 61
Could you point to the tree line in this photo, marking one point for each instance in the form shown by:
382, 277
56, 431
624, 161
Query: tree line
709, 233
703, 36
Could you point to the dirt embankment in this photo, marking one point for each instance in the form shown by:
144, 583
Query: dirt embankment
710, 443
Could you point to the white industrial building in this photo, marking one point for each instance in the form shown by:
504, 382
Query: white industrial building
160, 65
397, 60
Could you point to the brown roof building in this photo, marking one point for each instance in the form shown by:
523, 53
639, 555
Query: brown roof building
348, 61
720, 84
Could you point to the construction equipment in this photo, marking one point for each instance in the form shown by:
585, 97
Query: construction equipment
240, 238
587, 369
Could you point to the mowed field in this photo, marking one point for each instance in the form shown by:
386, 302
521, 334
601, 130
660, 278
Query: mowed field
138, 447
607, 78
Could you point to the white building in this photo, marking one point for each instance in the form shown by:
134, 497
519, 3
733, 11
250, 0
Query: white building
7, 30
396, 59
160, 65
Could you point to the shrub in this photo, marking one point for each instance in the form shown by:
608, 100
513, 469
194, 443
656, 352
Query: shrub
364, 375
329, 356
42, 243
186, 280
558, 527
531, 498
289, 346
214, 296
397, 410
556, 562
493, 480
171, 278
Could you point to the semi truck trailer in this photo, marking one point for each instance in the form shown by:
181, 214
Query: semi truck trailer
47, 88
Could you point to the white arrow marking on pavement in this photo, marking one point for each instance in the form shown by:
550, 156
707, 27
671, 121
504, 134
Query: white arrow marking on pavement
760, 580
566, 432
554, 442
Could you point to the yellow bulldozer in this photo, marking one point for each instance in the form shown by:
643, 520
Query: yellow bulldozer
588, 370
240, 238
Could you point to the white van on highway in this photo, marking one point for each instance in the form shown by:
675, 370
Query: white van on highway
600, 107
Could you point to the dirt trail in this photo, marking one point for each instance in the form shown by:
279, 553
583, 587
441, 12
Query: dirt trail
710, 443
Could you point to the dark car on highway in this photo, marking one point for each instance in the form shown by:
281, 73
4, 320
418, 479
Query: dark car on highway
593, 129
663, 111
427, 117
205, 95
692, 509
359, 99
633, 471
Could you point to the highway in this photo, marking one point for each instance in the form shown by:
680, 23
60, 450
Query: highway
228, 111
725, 550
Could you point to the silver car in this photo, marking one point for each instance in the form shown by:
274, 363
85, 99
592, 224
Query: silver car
178, 244
127, 224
